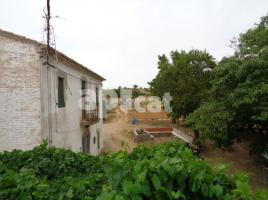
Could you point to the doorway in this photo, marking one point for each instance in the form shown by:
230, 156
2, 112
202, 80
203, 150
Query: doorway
86, 142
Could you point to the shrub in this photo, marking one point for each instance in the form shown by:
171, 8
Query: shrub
167, 171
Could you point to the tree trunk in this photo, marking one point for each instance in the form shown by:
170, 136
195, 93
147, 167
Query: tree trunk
196, 138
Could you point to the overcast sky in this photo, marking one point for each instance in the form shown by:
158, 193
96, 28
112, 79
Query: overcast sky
120, 39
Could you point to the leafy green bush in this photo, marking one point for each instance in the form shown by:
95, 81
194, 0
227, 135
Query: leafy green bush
167, 171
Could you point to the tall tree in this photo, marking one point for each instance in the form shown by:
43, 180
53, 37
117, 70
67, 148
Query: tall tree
186, 77
239, 96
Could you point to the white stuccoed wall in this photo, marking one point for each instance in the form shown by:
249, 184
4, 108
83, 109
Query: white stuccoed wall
20, 126
24, 100
66, 129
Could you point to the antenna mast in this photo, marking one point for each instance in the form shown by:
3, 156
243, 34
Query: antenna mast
47, 30
48, 17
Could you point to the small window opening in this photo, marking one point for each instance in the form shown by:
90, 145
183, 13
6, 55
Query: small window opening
83, 88
61, 100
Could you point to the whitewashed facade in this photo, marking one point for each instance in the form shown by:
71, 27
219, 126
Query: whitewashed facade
43, 101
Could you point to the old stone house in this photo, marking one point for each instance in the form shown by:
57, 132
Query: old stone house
42, 100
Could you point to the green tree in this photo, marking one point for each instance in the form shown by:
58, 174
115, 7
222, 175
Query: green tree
238, 100
117, 91
186, 77
135, 86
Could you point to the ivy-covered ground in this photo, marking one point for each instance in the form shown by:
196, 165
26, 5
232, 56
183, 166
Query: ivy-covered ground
166, 171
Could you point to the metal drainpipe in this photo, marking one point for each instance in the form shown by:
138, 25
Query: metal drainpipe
49, 105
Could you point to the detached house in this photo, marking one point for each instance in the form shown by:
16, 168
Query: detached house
59, 101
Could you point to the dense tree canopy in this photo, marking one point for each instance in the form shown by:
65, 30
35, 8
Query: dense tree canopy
186, 77
238, 100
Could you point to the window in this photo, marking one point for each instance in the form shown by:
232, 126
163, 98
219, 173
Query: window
97, 96
83, 92
97, 102
83, 85
61, 100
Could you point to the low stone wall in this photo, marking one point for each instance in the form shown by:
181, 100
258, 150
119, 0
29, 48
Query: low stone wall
162, 134
141, 137
159, 132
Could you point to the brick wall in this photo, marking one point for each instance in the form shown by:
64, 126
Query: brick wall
20, 126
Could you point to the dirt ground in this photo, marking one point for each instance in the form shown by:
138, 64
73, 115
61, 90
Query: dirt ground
238, 159
118, 131
118, 135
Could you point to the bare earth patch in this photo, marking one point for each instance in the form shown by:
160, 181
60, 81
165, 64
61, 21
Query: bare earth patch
118, 129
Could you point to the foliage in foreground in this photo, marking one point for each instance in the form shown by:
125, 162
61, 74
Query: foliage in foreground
167, 171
